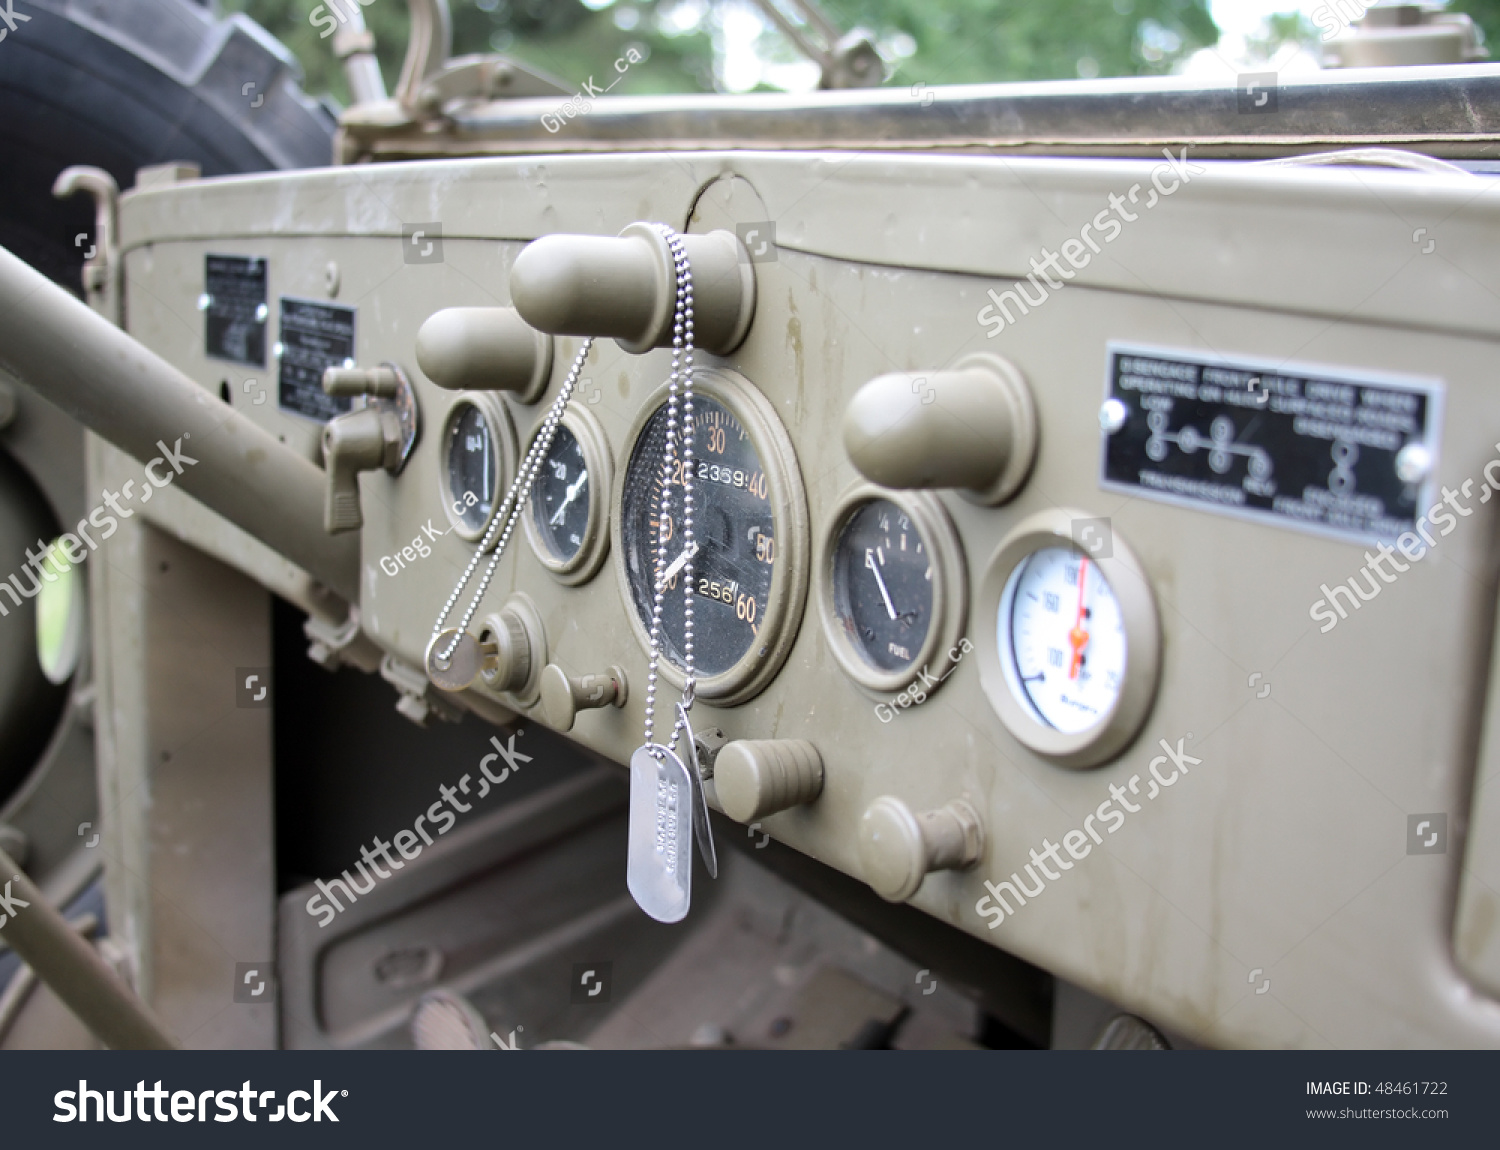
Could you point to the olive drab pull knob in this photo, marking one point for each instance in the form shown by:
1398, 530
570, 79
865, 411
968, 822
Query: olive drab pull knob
564, 696
755, 778
625, 287
485, 349
972, 427
898, 848
380, 434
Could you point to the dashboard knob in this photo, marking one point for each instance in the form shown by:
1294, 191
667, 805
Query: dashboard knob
356, 441
564, 696
755, 778
971, 427
485, 349
380, 434
382, 382
897, 847
625, 288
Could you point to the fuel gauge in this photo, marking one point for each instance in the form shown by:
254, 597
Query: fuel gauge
892, 587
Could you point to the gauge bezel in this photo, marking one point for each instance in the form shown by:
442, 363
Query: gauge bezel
1132, 590
950, 585
502, 433
586, 562
787, 597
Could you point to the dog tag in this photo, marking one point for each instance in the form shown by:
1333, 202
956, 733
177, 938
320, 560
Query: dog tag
659, 864
702, 831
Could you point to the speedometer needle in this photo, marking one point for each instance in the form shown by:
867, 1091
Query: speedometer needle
1078, 636
676, 565
572, 495
879, 582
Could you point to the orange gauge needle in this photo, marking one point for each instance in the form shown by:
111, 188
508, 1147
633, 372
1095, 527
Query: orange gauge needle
1078, 636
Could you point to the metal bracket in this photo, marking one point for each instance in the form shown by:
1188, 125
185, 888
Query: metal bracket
101, 266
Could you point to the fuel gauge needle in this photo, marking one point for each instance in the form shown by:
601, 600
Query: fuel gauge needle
1078, 636
879, 581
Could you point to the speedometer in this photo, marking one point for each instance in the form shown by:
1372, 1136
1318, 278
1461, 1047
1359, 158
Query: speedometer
750, 530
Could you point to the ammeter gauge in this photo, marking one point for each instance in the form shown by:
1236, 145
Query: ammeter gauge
892, 587
479, 458
566, 519
1070, 657
750, 523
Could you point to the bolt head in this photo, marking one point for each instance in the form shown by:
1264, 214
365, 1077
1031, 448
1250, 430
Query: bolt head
1413, 463
1112, 416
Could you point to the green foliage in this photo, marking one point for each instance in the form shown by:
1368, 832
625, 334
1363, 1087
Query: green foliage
938, 41
1486, 14
972, 41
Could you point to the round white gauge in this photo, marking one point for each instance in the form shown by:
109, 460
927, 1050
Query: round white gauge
1070, 650
1062, 639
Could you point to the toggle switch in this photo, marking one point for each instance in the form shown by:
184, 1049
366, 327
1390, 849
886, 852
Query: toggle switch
972, 427
625, 288
898, 848
381, 434
758, 777
485, 349
564, 696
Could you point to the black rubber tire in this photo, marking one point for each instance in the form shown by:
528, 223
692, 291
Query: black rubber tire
121, 84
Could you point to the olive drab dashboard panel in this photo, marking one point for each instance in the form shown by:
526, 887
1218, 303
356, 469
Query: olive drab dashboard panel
1026, 623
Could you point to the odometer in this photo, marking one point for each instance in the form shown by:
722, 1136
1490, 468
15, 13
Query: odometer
735, 530
750, 526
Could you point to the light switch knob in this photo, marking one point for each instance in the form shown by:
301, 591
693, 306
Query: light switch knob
485, 349
625, 288
898, 848
972, 427
756, 777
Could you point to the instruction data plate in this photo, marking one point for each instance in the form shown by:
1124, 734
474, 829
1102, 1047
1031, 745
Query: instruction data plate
1296, 445
234, 309
314, 336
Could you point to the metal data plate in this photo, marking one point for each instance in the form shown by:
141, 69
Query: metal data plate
234, 309
314, 336
1295, 445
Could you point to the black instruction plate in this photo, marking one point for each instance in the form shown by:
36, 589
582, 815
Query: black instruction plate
314, 336
1296, 445
234, 309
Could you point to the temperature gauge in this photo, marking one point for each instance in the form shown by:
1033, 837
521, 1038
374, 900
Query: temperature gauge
1072, 667
566, 518
892, 587
1062, 639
